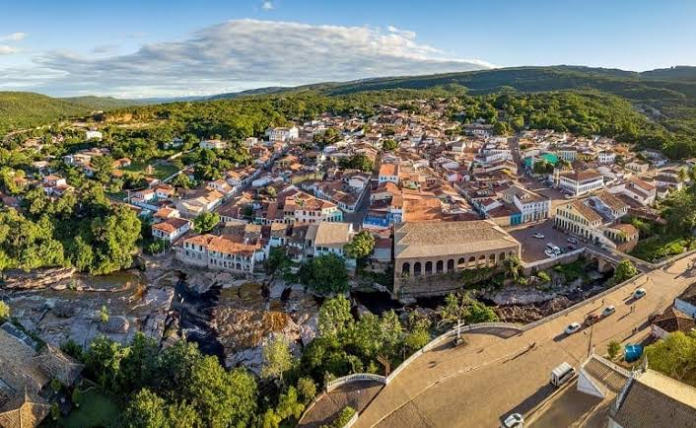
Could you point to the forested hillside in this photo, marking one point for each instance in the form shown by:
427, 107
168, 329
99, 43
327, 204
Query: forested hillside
27, 109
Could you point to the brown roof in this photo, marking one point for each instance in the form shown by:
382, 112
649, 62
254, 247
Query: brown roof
655, 400
588, 174
689, 295
673, 320
586, 211
170, 225
611, 201
388, 169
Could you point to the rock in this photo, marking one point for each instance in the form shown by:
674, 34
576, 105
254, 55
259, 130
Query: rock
38, 278
115, 325
519, 296
533, 312
63, 310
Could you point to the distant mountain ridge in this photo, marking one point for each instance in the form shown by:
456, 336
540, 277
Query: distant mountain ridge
670, 82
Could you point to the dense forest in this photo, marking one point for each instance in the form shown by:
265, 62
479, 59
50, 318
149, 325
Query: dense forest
25, 109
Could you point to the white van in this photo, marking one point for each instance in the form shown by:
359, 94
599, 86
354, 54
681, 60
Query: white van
562, 374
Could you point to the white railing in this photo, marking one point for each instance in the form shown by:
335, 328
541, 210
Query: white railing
357, 377
443, 337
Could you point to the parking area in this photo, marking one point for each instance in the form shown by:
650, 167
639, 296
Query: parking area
533, 248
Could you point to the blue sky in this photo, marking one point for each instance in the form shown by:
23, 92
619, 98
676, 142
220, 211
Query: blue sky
172, 48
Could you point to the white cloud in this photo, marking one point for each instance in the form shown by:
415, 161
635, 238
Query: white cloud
247, 53
7, 50
267, 5
13, 37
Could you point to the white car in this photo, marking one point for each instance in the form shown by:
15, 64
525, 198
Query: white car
572, 240
568, 196
515, 420
639, 293
539, 235
550, 253
608, 310
572, 328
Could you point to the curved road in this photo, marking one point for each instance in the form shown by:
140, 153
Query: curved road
478, 384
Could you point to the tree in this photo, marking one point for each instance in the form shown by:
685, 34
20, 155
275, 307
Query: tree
513, 267
360, 246
478, 312
114, 240
221, 398
466, 309
103, 314
307, 389
389, 145
624, 270
182, 415
289, 405
205, 222
416, 339
674, 356
277, 359
335, 317
613, 349
278, 262
182, 180
102, 166
4, 311
76, 397
343, 418
325, 274
544, 277
271, 191
146, 410
682, 214
103, 361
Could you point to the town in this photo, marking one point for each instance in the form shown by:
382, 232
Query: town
406, 204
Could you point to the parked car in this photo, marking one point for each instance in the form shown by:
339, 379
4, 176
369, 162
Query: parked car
572, 328
562, 374
573, 240
568, 196
571, 247
515, 420
591, 319
550, 253
539, 235
639, 293
608, 310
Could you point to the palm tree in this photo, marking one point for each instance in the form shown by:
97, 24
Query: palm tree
513, 267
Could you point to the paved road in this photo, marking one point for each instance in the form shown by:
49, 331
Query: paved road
479, 384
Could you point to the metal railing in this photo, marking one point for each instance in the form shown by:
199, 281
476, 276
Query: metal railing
357, 377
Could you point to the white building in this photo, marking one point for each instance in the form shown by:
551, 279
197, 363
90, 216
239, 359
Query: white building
171, 229
533, 206
606, 157
93, 135
581, 182
388, 172
213, 144
283, 134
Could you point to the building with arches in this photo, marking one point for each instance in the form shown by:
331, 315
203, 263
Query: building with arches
428, 249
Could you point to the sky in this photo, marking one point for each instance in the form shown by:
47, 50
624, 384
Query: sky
174, 48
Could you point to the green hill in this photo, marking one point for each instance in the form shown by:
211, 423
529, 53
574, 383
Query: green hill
26, 109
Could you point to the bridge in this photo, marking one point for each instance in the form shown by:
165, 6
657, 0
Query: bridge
491, 376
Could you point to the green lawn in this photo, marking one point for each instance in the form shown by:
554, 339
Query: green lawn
159, 170
660, 246
97, 410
